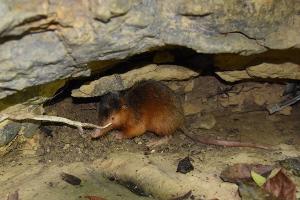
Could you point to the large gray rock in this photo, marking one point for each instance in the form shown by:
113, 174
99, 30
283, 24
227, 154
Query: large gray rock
42, 41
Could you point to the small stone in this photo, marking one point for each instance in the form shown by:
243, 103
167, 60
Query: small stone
152, 151
137, 140
29, 129
8, 132
66, 146
185, 165
232, 76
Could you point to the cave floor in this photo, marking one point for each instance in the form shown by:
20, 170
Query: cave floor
36, 174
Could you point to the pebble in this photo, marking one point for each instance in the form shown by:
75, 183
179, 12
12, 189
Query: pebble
8, 132
66, 146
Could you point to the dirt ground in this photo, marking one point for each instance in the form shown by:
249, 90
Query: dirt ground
36, 175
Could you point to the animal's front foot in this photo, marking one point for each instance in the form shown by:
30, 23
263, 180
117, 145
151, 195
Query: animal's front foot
97, 133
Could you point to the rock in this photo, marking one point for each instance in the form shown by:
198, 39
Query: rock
189, 86
232, 76
8, 131
269, 70
42, 41
270, 64
184, 166
264, 70
175, 86
119, 82
24, 70
251, 96
29, 129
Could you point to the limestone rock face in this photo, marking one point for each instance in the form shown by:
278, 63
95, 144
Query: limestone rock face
265, 70
43, 41
124, 81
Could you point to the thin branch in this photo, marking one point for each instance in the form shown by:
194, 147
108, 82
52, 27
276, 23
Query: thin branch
56, 119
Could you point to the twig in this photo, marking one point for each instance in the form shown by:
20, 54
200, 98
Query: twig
77, 124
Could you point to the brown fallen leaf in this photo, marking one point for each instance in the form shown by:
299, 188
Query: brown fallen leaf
240, 172
281, 186
94, 198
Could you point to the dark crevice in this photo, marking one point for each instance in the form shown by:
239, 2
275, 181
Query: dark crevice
244, 34
229, 61
205, 64
196, 15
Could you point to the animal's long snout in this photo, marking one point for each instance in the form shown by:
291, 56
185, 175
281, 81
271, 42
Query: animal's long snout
101, 131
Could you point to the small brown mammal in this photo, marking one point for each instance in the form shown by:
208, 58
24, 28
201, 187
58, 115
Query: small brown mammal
147, 106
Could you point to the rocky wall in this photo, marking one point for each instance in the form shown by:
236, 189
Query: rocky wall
42, 41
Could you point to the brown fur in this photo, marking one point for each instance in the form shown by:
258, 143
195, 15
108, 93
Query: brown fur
147, 106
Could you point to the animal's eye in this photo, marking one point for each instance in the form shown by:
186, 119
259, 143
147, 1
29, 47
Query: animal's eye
112, 118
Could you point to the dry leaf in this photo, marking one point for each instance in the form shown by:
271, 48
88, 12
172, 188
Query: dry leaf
258, 179
240, 172
281, 186
71, 179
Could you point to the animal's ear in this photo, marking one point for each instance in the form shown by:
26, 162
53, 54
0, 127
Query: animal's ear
124, 107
